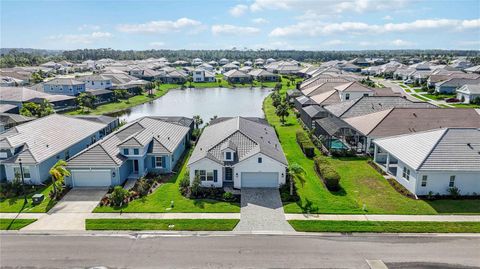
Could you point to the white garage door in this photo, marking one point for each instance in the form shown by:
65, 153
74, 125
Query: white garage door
91, 178
259, 180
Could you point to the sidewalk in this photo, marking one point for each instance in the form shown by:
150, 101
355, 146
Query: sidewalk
439, 218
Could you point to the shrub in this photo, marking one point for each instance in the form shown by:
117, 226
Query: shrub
227, 196
305, 144
184, 185
195, 189
454, 192
119, 196
328, 174
143, 186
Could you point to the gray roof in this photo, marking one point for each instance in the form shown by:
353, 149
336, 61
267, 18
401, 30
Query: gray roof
64, 81
470, 88
97, 118
165, 137
458, 82
235, 73
448, 149
370, 104
23, 94
332, 125
47, 136
6, 118
249, 136
314, 110
305, 100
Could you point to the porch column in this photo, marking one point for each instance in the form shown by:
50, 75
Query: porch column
387, 164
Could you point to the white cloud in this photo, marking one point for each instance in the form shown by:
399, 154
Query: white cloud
397, 43
157, 44
316, 28
88, 27
334, 42
387, 18
401, 43
233, 30
159, 26
81, 38
260, 21
238, 10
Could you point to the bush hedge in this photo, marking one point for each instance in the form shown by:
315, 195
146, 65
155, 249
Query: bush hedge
328, 174
305, 144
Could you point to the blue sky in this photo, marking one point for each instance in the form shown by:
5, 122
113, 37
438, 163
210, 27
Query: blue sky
252, 24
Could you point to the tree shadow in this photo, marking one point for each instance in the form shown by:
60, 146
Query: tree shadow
308, 206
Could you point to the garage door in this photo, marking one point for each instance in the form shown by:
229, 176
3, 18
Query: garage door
91, 178
259, 180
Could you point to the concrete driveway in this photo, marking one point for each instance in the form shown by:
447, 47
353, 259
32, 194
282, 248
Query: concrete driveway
70, 212
262, 210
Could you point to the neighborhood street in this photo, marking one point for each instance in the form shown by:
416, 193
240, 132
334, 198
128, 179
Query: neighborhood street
237, 251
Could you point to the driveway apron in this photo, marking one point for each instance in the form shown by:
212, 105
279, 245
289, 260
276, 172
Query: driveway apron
262, 210
70, 212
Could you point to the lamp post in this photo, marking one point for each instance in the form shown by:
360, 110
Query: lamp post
23, 181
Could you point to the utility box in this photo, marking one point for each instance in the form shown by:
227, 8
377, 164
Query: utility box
37, 198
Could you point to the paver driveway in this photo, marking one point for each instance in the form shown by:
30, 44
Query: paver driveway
262, 210
70, 212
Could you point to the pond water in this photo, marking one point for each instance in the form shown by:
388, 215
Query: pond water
208, 102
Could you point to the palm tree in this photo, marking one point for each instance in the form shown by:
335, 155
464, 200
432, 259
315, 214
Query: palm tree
58, 173
282, 111
295, 171
197, 120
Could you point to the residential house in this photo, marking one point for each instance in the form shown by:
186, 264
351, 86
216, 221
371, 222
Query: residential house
239, 152
236, 76
468, 92
353, 90
148, 144
259, 62
223, 61
202, 75
96, 82
9, 120
64, 86
432, 162
17, 96
264, 75
451, 85
197, 61
39, 144
309, 114
229, 67
303, 101
473, 69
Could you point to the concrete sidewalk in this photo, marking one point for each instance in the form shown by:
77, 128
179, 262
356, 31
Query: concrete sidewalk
439, 218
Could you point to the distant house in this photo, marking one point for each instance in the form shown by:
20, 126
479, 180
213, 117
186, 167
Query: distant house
197, 61
9, 120
451, 85
202, 75
173, 77
310, 114
223, 61
6, 81
39, 144
17, 96
467, 93
229, 66
239, 152
65, 86
303, 101
236, 76
353, 90
473, 69
264, 75
149, 144
96, 82
247, 63
433, 161
259, 62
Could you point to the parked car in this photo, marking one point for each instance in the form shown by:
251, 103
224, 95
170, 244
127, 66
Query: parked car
408, 81
452, 100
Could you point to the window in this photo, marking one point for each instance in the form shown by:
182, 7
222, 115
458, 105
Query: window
202, 175
347, 96
210, 176
424, 181
125, 151
228, 155
17, 172
406, 173
136, 151
26, 172
67, 154
365, 94
260, 160
451, 184
158, 162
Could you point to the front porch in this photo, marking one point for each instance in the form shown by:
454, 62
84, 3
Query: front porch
385, 161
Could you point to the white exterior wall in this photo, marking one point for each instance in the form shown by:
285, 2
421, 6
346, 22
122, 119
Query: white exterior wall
251, 165
408, 184
198, 76
207, 165
438, 182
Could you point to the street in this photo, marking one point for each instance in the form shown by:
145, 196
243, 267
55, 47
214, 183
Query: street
237, 251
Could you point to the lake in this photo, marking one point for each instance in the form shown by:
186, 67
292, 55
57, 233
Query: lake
208, 102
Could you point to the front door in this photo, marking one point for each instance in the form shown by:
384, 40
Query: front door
135, 166
228, 174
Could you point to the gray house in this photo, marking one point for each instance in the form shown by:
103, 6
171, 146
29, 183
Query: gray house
39, 144
65, 86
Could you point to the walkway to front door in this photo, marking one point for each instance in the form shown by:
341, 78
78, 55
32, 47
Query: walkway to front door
262, 210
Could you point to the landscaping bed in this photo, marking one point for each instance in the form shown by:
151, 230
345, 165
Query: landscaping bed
13, 201
384, 226
162, 224
14, 224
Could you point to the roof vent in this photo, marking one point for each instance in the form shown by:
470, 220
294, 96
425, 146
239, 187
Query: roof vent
470, 145
415, 115
168, 138
47, 145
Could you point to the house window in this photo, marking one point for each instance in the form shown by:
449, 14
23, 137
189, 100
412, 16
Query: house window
424, 181
210, 176
202, 174
451, 184
260, 160
365, 94
26, 172
228, 155
158, 162
406, 173
347, 96
136, 152
125, 151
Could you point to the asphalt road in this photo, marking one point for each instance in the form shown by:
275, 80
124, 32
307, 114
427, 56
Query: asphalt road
236, 251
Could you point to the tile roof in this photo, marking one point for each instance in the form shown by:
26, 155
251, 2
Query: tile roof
64, 81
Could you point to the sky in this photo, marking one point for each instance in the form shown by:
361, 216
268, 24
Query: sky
241, 24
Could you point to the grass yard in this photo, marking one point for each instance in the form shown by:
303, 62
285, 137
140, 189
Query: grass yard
361, 184
130, 102
14, 224
408, 90
159, 201
465, 105
439, 96
418, 96
384, 226
16, 204
162, 224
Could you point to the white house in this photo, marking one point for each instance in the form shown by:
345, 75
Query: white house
467, 93
353, 90
96, 82
202, 75
239, 152
433, 161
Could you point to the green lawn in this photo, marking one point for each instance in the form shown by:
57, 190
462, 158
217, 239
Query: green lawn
439, 96
159, 201
466, 105
408, 90
384, 226
16, 204
14, 224
361, 184
124, 104
162, 224
404, 86
418, 96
